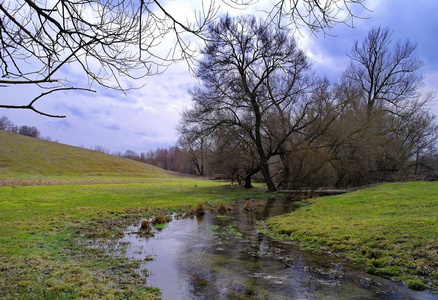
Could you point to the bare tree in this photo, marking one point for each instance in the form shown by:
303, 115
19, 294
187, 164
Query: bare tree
376, 137
314, 14
194, 142
414, 139
305, 155
386, 72
5, 124
101, 149
107, 40
31, 131
252, 75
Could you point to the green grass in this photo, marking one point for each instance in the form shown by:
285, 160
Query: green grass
391, 229
53, 198
29, 161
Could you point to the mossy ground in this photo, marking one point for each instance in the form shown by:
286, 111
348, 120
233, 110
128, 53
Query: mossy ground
391, 229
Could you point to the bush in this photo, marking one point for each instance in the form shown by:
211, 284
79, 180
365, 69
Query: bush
29, 131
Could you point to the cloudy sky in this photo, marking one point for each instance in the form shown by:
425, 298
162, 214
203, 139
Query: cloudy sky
146, 119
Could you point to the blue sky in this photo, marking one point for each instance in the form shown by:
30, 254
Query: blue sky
145, 119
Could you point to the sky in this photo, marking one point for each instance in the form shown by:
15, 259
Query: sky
146, 119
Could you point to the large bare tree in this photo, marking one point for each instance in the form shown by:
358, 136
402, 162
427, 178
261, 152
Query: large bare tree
106, 40
387, 72
254, 84
380, 130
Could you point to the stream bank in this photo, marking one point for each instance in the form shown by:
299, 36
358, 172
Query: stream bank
225, 256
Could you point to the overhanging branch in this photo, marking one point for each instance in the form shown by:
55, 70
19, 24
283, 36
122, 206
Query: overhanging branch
30, 106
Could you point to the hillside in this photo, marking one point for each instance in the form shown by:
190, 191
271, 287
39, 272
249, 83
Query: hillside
29, 158
55, 198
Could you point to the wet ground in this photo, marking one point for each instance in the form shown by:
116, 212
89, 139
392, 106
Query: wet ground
225, 257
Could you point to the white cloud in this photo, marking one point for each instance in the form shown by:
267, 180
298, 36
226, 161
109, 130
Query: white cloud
146, 118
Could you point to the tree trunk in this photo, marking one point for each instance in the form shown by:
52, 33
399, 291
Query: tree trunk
417, 159
248, 175
267, 176
248, 184
286, 181
264, 165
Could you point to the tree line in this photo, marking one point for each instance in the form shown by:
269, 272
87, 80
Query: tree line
173, 158
262, 112
261, 109
9, 126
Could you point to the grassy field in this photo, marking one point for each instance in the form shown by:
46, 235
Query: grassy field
29, 161
391, 229
53, 198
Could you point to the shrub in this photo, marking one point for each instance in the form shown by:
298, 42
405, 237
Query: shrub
251, 205
200, 210
223, 208
161, 219
146, 228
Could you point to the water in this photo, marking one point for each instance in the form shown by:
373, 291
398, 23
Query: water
225, 257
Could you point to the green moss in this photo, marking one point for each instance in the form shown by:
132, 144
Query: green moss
416, 284
160, 226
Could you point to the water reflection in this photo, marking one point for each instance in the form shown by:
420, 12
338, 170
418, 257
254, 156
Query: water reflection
225, 257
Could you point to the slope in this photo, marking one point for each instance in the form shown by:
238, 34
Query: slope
29, 158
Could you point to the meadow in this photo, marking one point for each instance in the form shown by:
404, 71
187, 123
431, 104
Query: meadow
54, 198
390, 229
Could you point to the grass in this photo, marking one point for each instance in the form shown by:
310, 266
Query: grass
390, 229
44, 228
28, 161
55, 198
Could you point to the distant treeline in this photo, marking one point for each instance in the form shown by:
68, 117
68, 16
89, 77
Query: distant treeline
173, 158
209, 160
32, 131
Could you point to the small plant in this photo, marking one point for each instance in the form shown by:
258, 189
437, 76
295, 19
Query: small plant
223, 208
251, 205
200, 210
161, 219
146, 228
160, 226
416, 284
145, 225
190, 213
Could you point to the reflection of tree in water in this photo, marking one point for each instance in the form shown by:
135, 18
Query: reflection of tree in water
232, 266
225, 257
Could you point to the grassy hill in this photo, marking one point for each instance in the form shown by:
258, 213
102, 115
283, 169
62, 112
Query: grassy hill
24, 157
54, 198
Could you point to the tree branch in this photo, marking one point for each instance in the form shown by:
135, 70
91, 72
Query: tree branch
30, 106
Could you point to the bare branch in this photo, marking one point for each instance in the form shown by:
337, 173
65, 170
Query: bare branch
111, 39
30, 106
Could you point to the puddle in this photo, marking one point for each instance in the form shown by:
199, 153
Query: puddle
225, 257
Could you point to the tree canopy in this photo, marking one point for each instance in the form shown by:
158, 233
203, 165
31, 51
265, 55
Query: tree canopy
260, 108
254, 88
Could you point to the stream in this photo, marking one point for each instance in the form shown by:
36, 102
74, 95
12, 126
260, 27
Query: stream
226, 257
